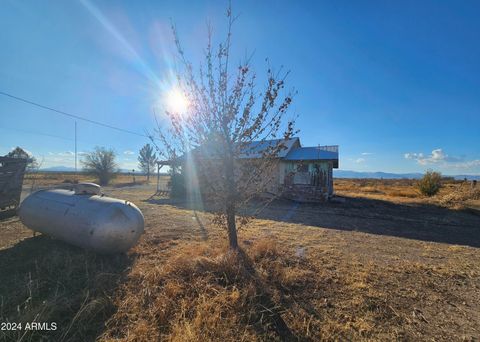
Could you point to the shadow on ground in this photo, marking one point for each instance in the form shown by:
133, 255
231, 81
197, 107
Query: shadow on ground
48, 281
413, 221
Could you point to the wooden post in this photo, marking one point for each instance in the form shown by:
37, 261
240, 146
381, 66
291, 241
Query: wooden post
158, 177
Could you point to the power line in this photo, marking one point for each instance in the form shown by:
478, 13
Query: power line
71, 115
35, 133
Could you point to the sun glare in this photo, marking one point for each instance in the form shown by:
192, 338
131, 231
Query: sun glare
176, 101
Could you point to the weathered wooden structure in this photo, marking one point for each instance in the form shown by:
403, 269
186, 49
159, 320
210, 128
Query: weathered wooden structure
163, 187
12, 171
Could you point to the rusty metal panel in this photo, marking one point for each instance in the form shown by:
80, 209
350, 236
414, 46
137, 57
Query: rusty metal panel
12, 171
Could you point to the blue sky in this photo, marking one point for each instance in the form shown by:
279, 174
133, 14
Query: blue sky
395, 84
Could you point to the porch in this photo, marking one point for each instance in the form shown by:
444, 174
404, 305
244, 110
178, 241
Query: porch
307, 186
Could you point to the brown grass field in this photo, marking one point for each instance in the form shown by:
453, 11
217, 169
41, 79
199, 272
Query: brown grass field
383, 263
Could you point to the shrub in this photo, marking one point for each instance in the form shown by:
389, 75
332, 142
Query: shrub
430, 183
101, 163
177, 184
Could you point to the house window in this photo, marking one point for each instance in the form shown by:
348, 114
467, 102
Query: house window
302, 167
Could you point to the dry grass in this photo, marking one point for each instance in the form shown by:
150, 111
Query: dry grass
459, 196
201, 292
44, 281
43, 179
377, 188
204, 292
330, 272
400, 190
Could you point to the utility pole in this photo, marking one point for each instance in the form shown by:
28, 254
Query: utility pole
75, 178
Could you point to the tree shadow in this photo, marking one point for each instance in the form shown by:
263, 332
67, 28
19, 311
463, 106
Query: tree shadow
195, 206
425, 222
48, 281
267, 309
203, 231
413, 221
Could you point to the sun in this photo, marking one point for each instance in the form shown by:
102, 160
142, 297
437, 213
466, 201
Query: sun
176, 101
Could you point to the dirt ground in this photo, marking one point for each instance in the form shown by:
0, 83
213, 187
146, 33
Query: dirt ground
378, 264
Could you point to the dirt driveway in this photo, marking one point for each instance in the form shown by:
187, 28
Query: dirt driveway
402, 271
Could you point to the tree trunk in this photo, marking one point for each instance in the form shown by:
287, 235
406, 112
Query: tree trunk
148, 173
231, 226
230, 203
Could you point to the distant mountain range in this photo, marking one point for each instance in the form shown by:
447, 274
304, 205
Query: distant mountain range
58, 169
384, 175
387, 175
336, 173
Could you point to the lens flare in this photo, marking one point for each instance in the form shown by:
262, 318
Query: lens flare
176, 101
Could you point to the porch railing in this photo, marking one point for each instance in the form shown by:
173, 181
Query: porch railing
329, 148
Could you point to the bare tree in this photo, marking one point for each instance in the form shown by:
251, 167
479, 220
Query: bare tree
101, 163
228, 121
147, 159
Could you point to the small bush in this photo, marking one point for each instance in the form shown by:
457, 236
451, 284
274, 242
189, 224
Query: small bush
101, 163
177, 184
430, 183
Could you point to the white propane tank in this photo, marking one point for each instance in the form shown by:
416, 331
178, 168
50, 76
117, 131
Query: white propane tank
84, 218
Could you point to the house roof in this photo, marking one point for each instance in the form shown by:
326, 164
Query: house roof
311, 153
292, 151
252, 150
255, 148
